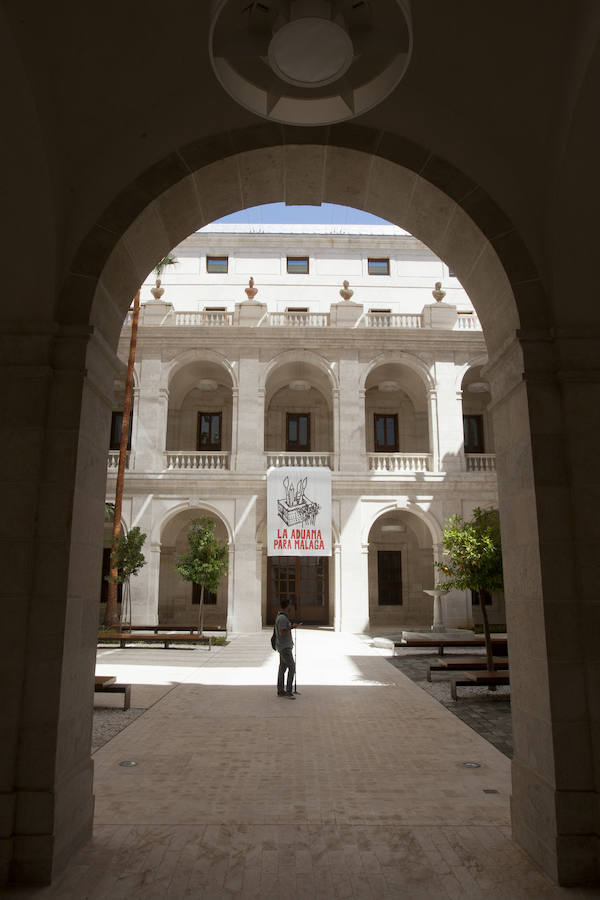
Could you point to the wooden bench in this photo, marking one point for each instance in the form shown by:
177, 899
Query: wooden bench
464, 663
165, 639
477, 679
105, 684
499, 644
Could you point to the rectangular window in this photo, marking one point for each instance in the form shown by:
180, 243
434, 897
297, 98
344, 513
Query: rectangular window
378, 266
388, 311
116, 423
106, 571
473, 432
487, 598
298, 432
386, 433
210, 599
209, 431
215, 309
297, 265
217, 265
389, 577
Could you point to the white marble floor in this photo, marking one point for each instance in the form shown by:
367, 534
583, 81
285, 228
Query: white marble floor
356, 789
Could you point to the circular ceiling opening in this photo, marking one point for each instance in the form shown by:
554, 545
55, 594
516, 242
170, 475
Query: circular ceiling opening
309, 62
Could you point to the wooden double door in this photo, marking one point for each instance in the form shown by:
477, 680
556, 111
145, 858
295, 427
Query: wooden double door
304, 582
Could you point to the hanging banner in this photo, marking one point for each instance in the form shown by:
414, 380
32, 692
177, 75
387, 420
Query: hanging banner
299, 511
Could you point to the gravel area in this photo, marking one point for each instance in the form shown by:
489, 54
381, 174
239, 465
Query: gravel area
109, 722
486, 712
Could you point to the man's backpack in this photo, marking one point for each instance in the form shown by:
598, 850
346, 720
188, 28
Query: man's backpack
274, 639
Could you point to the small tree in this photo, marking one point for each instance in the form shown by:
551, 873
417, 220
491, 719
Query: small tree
127, 558
473, 561
205, 562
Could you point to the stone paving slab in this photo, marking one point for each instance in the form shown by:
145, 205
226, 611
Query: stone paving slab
356, 789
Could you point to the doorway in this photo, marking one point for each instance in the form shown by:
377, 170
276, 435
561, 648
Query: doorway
304, 582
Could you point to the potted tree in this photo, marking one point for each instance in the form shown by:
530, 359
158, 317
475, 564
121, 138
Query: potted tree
473, 561
206, 561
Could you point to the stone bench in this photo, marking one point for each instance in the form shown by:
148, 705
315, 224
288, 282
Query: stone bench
464, 664
105, 684
166, 640
477, 679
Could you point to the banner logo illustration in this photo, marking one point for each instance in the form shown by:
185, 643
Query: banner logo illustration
299, 511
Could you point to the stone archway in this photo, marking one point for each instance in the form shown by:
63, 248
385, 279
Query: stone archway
411, 187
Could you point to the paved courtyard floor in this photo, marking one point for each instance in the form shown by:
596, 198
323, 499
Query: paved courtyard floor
356, 789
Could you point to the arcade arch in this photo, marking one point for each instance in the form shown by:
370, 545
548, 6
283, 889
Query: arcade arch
461, 223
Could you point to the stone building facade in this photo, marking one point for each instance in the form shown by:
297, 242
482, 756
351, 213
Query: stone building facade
382, 384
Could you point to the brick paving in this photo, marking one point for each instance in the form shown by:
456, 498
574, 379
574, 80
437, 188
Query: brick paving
357, 789
486, 712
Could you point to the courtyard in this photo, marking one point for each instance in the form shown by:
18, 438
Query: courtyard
357, 789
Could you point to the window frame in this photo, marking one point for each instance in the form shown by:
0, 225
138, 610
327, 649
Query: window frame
210, 259
467, 446
115, 434
209, 448
293, 259
378, 259
291, 447
385, 448
397, 583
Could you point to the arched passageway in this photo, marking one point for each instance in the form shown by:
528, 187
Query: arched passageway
460, 222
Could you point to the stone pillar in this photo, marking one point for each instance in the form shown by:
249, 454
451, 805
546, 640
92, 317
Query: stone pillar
251, 417
354, 570
351, 417
56, 396
337, 586
547, 429
450, 433
145, 585
152, 412
245, 613
434, 435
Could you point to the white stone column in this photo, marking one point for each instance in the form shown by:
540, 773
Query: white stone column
450, 434
251, 417
151, 417
351, 417
245, 602
337, 584
354, 570
235, 406
434, 437
145, 588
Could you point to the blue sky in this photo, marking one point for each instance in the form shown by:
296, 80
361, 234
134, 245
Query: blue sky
280, 214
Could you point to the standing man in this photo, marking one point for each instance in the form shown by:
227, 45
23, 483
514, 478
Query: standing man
284, 643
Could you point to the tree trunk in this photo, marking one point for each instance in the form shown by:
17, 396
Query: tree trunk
201, 612
489, 651
111, 614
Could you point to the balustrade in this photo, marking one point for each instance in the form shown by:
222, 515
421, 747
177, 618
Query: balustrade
299, 319
196, 460
480, 462
467, 322
299, 459
400, 462
113, 460
394, 320
205, 317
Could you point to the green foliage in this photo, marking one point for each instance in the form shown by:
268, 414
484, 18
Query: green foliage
472, 553
168, 260
127, 555
206, 560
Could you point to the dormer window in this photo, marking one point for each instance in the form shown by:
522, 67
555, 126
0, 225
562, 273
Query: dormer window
378, 266
217, 265
297, 265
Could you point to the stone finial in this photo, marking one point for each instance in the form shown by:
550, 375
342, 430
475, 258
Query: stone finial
157, 291
346, 292
438, 294
251, 291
